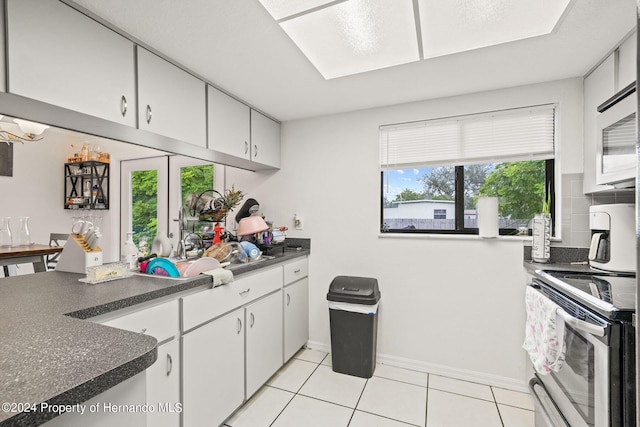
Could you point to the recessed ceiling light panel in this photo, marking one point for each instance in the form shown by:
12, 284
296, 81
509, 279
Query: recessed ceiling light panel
356, 36
280, 9
459, 25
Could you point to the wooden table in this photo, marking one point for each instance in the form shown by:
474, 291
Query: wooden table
34, 254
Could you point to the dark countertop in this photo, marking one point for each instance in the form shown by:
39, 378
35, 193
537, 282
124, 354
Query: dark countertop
532, 266
48, 353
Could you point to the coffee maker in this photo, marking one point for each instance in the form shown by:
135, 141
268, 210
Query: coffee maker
613, 243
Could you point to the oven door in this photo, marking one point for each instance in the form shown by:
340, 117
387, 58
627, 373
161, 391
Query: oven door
581, 388
547, 413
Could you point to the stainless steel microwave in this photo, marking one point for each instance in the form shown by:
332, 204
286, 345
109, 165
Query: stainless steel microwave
616, 140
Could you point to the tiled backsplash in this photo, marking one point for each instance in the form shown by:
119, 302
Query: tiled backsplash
575, 210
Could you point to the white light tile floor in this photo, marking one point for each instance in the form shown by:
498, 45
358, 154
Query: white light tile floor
306, 392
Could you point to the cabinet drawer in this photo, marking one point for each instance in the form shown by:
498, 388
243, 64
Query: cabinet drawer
160, 321
206, 305
296, 270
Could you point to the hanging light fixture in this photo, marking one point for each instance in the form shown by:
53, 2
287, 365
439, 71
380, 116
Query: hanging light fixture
21, 131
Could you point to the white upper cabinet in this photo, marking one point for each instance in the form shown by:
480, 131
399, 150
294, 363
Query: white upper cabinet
265, 140
616, 72
171, 102
59, 56
229, 131
627, 62
598, 87
247, 138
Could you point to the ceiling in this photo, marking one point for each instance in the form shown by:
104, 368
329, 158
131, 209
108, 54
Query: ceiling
345, 37
239, 47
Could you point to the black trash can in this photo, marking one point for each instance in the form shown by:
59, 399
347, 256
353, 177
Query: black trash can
353, 317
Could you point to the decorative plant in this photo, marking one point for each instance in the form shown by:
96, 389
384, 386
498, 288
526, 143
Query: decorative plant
232, 197
546, 204
220, 207
213, 208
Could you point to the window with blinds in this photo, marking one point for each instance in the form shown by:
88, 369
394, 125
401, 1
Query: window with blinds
444, 165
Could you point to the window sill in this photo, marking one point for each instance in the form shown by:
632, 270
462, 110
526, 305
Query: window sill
452, 237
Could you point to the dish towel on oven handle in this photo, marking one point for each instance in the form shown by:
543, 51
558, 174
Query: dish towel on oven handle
544, 333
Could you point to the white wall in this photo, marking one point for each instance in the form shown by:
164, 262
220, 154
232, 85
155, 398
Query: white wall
449, 305
36, 190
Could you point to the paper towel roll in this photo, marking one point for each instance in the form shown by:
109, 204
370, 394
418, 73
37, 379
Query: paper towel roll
487, 211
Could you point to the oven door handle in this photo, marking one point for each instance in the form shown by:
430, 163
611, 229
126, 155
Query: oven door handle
581, 325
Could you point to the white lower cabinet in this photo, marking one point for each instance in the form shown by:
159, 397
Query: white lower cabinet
163, 387
213, 370
263, 340
232, 339
163, 377
105, 409
161, 321
296, 317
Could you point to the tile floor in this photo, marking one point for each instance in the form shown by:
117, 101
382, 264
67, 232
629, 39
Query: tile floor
306, 392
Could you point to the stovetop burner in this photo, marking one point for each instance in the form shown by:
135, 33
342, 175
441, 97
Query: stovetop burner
610, 294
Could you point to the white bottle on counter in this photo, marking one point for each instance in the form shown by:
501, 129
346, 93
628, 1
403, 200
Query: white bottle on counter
130, 252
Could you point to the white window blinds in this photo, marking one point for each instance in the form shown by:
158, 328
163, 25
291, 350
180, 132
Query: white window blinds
510, 135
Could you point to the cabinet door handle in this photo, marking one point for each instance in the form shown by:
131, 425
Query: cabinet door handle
296, 271
246, 291
169, 364
149, 114
239, 326
288, 299
123, 106
253, 320
246, 147
255, 150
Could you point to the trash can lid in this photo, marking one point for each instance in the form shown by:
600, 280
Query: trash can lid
356, 290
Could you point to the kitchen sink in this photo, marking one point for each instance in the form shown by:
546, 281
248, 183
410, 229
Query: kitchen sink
262, 259
155, 276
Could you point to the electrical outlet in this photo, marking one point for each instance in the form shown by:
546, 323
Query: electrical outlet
297, 222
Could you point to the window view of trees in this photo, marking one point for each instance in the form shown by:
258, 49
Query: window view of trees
519, 187
196, 179
144, 205
144, 188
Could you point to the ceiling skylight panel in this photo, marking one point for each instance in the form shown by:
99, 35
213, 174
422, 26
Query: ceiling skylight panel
460, 25
356, 36
280, 9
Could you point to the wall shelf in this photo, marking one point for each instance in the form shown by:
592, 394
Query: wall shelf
86, 185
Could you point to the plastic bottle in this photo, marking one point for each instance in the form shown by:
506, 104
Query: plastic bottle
143, 247
130, 252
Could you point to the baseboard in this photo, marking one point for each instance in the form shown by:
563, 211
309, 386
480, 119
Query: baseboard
432, 368
320, 346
